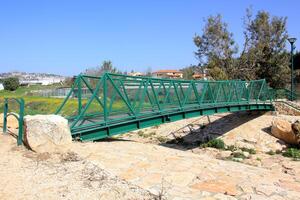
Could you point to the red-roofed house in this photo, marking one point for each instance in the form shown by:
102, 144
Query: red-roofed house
168, 74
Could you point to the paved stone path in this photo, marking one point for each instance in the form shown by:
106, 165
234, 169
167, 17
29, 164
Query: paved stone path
185, 175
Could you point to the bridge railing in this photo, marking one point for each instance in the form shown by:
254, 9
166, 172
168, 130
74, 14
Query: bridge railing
283, 93
113, 98
19, 116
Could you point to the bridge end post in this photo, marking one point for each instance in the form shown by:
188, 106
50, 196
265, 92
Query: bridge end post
20, 120
5, 115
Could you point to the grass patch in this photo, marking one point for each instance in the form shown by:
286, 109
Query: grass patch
162, 139
145, 135
214, 143
258, 159
292, 153
231, 148
48, 105
271, 153
249, 150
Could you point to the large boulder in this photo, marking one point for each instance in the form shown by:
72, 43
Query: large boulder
296, 130
46, 133
282, 129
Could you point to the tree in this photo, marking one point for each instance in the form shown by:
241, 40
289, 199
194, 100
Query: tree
105, 67
264, 54
148, 72
11, 83
216, 48
189, 71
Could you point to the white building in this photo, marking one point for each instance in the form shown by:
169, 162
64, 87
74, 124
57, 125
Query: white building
42, 81
1, 86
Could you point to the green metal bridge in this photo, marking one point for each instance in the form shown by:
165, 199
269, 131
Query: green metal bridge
114, 104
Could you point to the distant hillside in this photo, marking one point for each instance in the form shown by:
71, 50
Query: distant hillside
34, 78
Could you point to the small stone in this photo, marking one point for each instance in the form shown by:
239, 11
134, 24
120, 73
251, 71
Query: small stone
246, 154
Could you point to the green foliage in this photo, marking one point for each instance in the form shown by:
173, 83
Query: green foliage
271, 153
258, 159
217, 73
188, 73
231, 148
292, 153
11, 83
214, 143
216, 48
162, 139
106, 66
68, 82
145, 134
249, 150
263, 54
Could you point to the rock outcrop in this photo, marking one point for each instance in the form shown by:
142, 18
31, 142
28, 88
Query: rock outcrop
287, 108
296, 130
282, 129
46, 133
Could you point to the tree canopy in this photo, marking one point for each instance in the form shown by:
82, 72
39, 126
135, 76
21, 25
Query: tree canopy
11, 83
263, 54
106, 66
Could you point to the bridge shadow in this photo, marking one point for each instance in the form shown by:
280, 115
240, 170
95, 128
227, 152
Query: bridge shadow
195, 137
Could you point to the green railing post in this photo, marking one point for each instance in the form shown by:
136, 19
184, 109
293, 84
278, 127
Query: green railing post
79, 93
67, 97
105, 98
5, 115
21, 118
155, 96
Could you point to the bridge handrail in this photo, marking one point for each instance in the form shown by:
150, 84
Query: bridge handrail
19, 117
283, 93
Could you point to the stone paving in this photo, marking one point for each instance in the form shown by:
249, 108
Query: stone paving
185, 175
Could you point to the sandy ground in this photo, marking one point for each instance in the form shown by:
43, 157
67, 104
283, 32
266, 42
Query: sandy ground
28, 175
146, 165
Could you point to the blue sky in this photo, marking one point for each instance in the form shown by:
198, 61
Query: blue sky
66, 37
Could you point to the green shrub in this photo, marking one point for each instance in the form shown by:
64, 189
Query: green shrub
271, 153
11, 83
249, 150
258, 159
214, 143
162, 139
231, 148
292, 153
